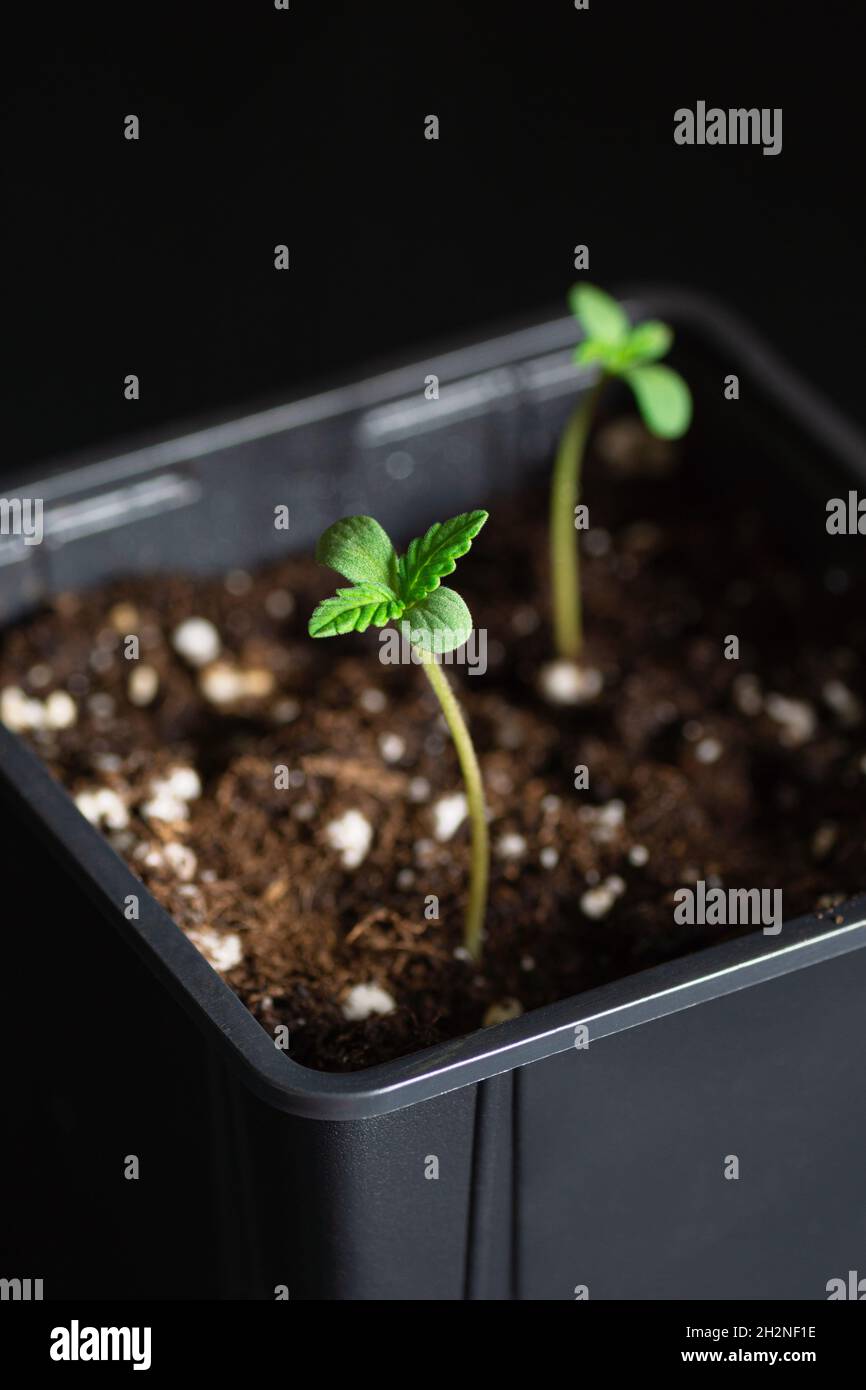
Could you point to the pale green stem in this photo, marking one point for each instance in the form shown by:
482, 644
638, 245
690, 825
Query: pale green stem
564, 554
480, 860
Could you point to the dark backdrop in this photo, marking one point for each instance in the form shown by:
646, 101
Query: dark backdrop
306, 127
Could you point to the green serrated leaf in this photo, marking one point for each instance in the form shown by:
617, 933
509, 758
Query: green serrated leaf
358, 548
353, 610
663, 399
436, 553
440, 623
599, 315
649, 341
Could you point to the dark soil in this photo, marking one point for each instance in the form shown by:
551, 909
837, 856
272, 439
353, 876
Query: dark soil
697, 770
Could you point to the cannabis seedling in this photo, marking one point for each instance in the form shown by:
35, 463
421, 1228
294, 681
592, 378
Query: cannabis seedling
665, 404
388, 587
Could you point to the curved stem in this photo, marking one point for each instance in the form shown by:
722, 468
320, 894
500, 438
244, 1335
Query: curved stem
564, 554
475, 799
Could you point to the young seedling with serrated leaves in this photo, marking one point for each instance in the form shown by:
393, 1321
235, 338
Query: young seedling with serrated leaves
665, 404
387, 587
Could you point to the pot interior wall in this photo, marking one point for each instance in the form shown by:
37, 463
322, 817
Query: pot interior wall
205, 502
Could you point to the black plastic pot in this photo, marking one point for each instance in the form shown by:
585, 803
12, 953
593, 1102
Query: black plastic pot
558, 1167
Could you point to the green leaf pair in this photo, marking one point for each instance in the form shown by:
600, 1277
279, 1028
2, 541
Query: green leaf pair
663, 398
388, 586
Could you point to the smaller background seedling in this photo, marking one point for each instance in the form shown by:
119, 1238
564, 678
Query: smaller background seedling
665, 404
387, 587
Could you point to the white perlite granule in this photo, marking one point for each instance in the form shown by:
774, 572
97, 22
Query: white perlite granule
392, 747
796, 717
510, 846
40, 675
103, 807
824, 839
226, 684
597, 902
222, 950
60, 710
843, 702
709, 750
181, 859
604, 821
183, 782
566, 683
142, 685
372, 700
170, 795
197, 641
351, 835
21, 713
449, 813
747, 695
363, 1001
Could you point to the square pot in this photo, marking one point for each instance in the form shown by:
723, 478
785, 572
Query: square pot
560, 1171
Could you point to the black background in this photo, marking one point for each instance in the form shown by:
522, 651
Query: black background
306, 127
